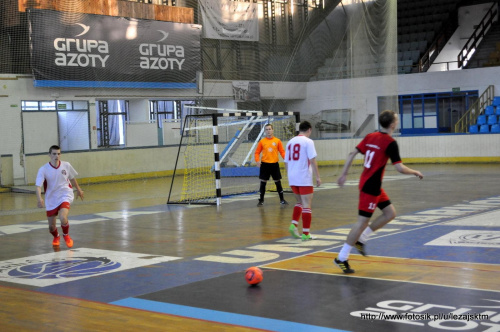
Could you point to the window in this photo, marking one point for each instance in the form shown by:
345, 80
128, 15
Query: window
48, 122
160, 110
433, 112
111, 118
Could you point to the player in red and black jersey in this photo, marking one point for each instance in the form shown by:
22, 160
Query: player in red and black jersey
377, 148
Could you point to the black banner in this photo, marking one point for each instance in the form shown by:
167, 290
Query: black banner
96, 51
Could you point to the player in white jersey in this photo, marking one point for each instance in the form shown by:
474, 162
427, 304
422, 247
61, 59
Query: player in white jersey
58, 179
300, 161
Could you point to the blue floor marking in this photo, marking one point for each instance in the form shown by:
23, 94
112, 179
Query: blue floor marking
219, 316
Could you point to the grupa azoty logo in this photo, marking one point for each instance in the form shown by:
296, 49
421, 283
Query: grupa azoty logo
79, 52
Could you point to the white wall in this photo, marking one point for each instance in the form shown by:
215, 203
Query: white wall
322, 95
107, 165
15, 88
307, 98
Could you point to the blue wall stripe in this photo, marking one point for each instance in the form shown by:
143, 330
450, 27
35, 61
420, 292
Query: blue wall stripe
113, 84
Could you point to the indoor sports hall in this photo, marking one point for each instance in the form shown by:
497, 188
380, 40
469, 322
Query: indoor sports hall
159, 104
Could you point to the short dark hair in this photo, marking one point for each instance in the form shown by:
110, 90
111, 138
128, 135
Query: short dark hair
304, 126
386, 118
54, 147
269, 125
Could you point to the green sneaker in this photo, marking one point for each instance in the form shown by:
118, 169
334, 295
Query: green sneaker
307, 237
293, 230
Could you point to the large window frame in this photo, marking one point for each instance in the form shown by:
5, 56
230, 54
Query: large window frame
71, 124
433, 113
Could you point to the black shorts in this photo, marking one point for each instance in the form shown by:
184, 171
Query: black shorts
270, 169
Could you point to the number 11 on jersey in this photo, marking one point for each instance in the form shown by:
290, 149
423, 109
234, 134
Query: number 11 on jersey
368, 158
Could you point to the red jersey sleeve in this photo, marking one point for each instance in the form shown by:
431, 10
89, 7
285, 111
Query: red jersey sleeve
361, 147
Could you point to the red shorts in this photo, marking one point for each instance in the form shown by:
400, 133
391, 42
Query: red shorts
300, 190
368, 203
55, 212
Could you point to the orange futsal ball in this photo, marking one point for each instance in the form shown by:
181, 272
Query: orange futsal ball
254, 275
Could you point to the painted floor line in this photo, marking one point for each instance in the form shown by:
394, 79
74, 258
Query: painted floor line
220, 317
353, 275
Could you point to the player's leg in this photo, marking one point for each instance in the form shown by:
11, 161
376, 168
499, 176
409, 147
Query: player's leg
264, 176
297, 212
53, 227
276, 174
63, 216
366, 207
306, 198
342, 259
388, 213
262, 191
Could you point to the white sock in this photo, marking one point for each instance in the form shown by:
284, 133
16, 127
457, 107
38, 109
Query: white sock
344, 252
366, 234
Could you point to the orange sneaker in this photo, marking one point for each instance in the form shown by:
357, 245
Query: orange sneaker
56, 241
68, 240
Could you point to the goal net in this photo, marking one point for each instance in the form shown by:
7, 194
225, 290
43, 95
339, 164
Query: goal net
216, 154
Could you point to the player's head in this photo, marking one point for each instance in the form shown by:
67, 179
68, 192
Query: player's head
269, 129
387, 118
54, 154
304, 126
54, 147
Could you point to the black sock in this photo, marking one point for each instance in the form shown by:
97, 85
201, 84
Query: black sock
262, 190
279, 188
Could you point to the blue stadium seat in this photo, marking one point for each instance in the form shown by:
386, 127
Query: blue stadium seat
495, 128
490, 110
481, 120
492, 119
496, 101
473, 129
484, 128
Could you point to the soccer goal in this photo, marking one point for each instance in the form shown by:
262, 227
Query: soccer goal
216, 153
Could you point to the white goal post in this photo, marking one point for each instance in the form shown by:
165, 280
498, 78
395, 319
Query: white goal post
216, 153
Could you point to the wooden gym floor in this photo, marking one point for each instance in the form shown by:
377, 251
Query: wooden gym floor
139, 263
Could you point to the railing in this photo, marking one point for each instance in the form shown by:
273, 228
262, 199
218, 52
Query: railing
476, 37
470, 117
438, 44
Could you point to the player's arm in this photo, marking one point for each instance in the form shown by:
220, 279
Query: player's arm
75, 185
258, 150
343, 176
39, 198
315, 169
407, 170
393, 152
40, 179
281, 149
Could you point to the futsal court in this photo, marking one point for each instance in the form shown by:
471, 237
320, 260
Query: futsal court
139, 263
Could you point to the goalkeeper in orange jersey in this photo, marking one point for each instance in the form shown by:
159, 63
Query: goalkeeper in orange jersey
271, 147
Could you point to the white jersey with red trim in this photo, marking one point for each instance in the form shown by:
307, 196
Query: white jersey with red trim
56, 181
298, 153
